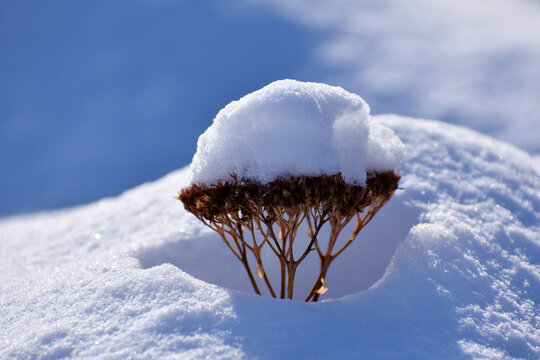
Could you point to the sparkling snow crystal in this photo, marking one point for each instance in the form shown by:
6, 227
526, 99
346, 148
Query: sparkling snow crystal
295, 128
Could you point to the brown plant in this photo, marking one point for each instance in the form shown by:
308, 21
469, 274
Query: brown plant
275, 211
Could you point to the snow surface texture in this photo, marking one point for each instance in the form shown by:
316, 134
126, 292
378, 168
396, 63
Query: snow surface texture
295, 128
473, 63
464, 282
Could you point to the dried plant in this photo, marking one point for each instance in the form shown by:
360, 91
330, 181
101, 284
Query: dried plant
240, 209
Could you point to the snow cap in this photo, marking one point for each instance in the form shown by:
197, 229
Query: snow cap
294, 128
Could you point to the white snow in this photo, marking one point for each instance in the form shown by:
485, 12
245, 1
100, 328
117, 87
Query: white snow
108, 280
295, 128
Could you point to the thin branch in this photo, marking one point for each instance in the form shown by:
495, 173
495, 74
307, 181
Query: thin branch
313, 240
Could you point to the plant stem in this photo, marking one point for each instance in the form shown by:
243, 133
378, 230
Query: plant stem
250, 274
290, 281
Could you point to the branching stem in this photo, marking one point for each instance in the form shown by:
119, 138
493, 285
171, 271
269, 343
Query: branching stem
240, 209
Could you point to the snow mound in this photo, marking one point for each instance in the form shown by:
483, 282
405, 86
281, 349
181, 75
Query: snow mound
295, 128
464, 282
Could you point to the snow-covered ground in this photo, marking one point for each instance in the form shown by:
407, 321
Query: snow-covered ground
132, 275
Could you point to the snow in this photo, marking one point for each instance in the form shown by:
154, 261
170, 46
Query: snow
456, 252
473, 63
295, 128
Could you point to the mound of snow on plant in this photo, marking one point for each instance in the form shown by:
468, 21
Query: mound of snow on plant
464, 283
295, 128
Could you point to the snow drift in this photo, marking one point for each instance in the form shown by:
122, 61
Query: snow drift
464, 281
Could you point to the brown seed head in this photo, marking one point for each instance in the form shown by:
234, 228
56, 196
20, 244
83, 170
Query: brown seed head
328, 192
